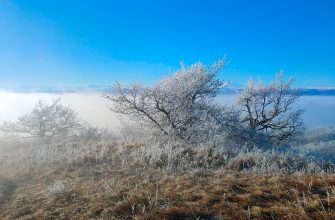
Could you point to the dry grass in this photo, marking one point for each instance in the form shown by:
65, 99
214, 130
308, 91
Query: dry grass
120, 180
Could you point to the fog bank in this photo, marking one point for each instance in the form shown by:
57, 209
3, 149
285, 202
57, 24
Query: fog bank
319, 110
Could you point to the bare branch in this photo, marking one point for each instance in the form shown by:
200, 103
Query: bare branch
268, 109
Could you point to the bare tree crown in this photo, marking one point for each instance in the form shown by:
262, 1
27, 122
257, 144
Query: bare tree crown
268, 109
44, 121
180, 105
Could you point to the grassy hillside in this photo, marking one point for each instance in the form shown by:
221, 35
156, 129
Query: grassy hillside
103, 179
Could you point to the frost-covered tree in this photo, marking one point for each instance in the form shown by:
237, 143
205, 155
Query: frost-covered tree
268, 112
44, 121
181, 105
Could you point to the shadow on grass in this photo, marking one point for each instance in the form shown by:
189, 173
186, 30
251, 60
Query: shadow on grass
6, 190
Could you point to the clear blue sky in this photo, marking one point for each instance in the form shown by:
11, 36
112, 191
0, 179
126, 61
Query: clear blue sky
78, 43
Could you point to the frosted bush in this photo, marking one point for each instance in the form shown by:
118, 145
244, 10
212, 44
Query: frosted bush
45, 121
267, 112
180, 107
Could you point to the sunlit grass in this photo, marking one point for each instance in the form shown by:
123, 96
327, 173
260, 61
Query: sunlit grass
125, 179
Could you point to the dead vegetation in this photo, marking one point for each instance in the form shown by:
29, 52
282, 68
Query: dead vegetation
124, 180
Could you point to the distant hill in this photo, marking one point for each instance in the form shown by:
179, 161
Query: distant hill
327, 91
303, 91
317, 92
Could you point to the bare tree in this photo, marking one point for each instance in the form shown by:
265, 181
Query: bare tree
268, 111
44, 121
181, 105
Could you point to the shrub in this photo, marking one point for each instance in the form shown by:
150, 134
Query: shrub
44, 121
180, 106
267, 111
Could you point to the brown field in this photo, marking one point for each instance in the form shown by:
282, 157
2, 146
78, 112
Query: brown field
106, 182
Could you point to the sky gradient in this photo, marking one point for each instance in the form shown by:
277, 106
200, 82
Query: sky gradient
79, 43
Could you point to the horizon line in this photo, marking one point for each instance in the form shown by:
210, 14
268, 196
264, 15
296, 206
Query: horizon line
326, 90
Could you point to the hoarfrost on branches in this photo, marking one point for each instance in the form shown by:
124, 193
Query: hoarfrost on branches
181, 105
44, 121
267, 110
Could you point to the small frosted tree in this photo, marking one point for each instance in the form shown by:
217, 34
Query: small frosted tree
181, 105
268, 113
44, 121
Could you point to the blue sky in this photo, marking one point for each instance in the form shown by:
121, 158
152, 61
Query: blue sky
78, 43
